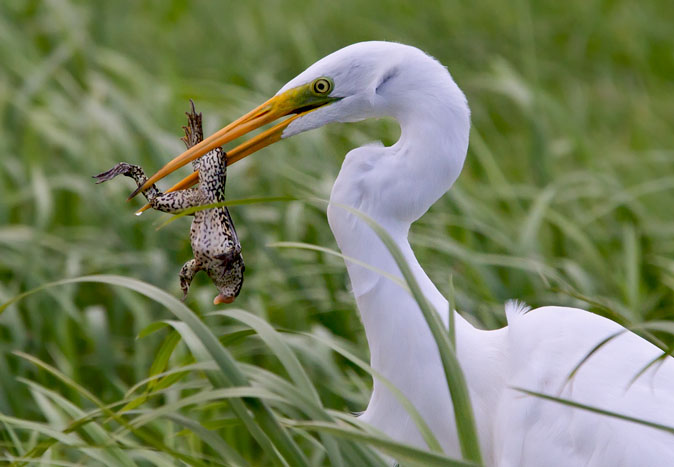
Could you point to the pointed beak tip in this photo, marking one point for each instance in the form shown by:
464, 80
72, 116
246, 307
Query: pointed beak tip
135, 192
278, 106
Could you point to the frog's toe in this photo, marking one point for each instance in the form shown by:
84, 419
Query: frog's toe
185, 287
120, 169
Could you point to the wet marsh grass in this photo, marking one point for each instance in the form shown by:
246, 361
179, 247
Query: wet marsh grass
566, 198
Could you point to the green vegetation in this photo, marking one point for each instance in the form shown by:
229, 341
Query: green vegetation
566, 198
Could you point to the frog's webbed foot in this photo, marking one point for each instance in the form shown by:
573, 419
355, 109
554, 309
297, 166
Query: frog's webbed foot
122, 168
194, 132
165, 202
131, 171
187, 273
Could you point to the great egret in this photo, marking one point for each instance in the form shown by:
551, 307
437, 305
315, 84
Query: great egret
537, 350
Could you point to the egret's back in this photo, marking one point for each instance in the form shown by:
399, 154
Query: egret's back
545, 346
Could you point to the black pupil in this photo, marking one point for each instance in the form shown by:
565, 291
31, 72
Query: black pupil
321, 86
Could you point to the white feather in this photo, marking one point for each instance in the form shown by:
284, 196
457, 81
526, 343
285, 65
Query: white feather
537, 351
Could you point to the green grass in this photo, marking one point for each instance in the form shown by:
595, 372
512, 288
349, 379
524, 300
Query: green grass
566, 198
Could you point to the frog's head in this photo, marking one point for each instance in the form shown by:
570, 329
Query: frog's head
230, 282
221, 298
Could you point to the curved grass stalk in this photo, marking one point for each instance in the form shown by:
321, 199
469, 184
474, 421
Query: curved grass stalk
458, 389
260, 421
597, 410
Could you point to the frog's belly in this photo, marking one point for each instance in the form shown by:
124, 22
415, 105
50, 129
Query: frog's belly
210, 239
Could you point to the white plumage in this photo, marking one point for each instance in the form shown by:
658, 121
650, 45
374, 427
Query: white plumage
536, 351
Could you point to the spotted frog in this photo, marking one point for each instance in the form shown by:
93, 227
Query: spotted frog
215, 245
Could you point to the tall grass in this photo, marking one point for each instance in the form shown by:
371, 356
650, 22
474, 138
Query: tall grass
565, 199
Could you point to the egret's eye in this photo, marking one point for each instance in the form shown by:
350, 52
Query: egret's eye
322, 86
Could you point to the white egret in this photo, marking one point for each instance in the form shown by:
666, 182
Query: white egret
537, 350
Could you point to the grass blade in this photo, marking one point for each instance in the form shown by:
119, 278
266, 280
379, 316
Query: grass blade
421, 424
292, 365
401, 452
596, 410
266, 425
463, 411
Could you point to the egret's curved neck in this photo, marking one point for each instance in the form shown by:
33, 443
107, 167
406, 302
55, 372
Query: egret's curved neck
395, 186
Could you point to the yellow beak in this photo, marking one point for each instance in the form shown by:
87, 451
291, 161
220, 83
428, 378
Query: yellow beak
299, 101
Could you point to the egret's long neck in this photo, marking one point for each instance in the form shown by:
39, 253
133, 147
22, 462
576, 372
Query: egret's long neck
395, 186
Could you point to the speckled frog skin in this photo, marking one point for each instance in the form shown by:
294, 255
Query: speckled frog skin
214, 241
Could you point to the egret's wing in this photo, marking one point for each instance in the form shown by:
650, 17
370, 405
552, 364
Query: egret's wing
545, 346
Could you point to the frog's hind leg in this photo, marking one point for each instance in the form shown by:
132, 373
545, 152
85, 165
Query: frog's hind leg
194, 132
187, 273
129, 170
132, 171
165, 202
176, 201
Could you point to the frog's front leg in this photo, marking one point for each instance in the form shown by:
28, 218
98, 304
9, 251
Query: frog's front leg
165, 202
187, 273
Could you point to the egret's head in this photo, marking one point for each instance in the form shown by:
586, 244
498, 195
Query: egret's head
375, 79
360, 81
357, 72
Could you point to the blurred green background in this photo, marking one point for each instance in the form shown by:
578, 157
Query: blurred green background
566, 196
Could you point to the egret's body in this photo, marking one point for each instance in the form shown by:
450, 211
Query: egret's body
538, 349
